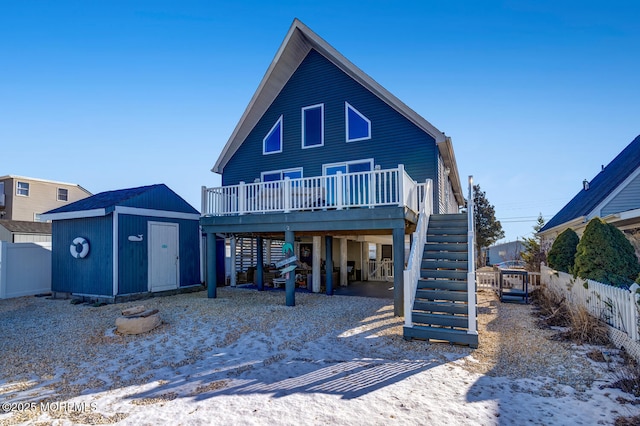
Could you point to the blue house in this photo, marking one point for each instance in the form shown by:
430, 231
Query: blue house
328, 162
613, 195
117, 244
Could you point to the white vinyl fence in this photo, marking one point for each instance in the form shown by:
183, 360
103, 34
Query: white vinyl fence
615, 306
25, 269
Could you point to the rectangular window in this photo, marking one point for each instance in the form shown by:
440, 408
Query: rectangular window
281, 174
2, 201
313, 126
63, 194
22, 188
348, 167
272, 143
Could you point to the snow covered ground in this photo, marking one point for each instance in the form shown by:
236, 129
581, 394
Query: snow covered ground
245, 359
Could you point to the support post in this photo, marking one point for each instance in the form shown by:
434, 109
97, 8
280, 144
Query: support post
212, 280
260, 263
339, 191
328, 241
316, 272
398, 267
290, 285
343, 262
267, 244
232, 261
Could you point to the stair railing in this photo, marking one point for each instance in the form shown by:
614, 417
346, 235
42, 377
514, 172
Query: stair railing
471, 274
411, 275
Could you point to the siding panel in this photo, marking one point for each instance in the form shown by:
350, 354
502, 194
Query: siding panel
627, 199
133, 256
395, 140
91, 275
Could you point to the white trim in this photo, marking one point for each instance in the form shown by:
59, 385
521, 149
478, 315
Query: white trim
39, 180
115, 252
304, 109
612, 195
136, 211
348, 106
282, 172
273, 128
74, 215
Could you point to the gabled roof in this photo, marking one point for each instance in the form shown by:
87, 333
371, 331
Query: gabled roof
600, 187
148, 198
295, 47
24, 227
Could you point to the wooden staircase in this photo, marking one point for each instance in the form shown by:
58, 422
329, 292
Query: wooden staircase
440, 310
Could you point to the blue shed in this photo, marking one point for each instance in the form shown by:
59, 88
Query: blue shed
126, 242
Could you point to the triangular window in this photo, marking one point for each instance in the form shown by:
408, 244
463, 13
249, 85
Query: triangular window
358, 127
272, 143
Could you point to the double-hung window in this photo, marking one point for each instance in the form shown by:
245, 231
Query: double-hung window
22, 188
358, 127
272, 143
63, 194
313, 126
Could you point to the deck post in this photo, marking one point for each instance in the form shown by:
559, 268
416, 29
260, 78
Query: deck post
290, 285
234, 275
328, 241
242, 197
339, 191
315, 277
343, 262
260, 263
398, 267
212, 281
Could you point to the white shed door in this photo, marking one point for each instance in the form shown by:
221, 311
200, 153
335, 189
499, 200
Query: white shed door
164, 262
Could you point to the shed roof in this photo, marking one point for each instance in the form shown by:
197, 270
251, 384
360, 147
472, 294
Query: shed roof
24, 227
152, 198
299, 40
603, 184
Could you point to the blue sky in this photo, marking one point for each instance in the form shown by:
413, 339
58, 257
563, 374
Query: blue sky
536, 95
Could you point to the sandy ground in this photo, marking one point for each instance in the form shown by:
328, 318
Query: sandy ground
245, 358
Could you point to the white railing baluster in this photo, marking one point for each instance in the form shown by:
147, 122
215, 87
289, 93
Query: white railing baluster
471, 273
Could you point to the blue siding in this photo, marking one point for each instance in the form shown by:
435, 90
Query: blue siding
395, 140
94, 273
133, 256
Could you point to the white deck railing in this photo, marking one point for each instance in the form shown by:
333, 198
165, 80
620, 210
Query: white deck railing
380, 270
343, 190
411, 275
471, 275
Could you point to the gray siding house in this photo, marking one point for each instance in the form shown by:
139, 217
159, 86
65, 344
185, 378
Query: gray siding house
613, 195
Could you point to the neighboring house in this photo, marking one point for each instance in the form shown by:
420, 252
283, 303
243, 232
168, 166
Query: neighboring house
613, 195
24, 199
502, 252
116, 244
328, 161
18, 231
